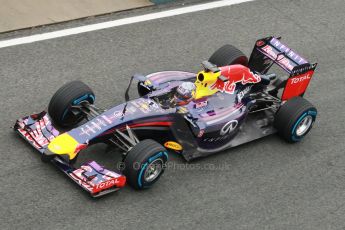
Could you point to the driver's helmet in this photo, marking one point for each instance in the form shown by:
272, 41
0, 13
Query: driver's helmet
184, 93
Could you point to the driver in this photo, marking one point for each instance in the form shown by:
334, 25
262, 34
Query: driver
184, 93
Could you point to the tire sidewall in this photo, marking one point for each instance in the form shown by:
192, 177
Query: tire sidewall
138, 159
289, 116
143, 166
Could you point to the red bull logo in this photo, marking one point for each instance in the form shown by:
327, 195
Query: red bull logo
282, 60
235, 74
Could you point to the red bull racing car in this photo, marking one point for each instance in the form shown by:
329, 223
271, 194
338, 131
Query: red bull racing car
231, 101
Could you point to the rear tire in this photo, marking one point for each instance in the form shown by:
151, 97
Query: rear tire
228, 55
72, 93
144, 164
295, 119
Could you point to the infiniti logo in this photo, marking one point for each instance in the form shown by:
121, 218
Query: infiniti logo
229, 127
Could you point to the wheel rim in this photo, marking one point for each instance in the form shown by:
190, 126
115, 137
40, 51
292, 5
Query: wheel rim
153, 170
304, 125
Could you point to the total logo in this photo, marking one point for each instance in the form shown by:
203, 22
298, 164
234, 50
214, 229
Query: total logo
119, 182
296, 80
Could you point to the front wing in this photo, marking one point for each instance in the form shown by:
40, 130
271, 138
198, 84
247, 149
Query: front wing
38, 130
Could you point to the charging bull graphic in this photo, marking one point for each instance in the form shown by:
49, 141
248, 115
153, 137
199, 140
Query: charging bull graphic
225, 80
234, 74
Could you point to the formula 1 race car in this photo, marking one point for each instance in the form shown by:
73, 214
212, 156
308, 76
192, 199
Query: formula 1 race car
231, 101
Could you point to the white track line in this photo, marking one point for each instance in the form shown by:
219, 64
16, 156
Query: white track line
119, 22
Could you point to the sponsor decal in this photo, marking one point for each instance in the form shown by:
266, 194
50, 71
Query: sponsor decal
84, 132
296, 80
290, 53
96, 182
107, 119
146, 106
229, 127
235, 74
297, 85
241, 94
173, 145
116, 114
268, 49
118, 182
104, 185
215, 139
102, 121
92, 127
281, 59
303, 68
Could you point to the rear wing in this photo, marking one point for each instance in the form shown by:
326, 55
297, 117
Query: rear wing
270, 50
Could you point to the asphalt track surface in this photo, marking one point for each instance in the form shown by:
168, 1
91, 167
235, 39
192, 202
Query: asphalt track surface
266, 184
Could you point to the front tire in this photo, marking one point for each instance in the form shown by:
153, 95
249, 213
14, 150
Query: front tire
70, 94
144, 164
295, 119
